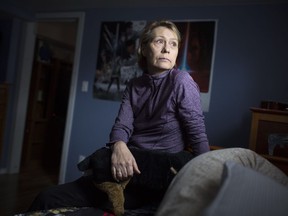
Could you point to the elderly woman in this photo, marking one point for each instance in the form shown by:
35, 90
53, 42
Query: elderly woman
160, 111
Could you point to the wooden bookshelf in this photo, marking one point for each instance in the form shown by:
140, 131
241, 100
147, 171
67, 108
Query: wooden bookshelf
3, 111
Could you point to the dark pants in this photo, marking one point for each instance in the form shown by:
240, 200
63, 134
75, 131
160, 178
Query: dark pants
83, 193
79, 193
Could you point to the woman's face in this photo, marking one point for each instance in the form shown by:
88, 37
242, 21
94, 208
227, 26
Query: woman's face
162, 51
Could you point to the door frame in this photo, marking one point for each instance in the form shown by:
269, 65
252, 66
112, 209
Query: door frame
25, 71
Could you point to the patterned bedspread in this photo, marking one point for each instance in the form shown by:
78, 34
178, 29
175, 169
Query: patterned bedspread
88, 211
68, 211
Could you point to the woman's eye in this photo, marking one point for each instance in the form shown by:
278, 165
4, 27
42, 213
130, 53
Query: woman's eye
160, 41
173, 44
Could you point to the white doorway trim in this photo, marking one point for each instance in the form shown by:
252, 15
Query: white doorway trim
22, 86
27, 61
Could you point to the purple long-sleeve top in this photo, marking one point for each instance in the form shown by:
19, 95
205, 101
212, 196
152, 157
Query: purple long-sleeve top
162, 112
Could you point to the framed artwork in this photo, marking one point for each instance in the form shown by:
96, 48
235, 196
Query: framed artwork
117, 56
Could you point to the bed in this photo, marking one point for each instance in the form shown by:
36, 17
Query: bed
232, 181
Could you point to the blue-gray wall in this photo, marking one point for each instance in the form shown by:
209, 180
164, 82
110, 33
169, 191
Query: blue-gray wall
251, 64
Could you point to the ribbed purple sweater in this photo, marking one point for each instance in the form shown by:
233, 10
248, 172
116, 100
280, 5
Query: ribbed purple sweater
162, 112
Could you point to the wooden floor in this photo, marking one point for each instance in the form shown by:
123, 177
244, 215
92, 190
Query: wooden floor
19, 190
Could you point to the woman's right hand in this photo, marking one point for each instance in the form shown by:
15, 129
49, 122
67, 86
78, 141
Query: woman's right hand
123, 163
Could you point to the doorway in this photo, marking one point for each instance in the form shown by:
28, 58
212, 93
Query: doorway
21, 104
48, 97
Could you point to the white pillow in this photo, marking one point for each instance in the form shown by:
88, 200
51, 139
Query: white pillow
247, 192
197, 183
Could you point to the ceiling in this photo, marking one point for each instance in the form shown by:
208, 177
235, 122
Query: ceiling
49, 5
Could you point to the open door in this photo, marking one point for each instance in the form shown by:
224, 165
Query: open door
26, 67
46, 115
48, 97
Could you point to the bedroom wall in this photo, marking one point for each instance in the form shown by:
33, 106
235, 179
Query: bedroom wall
12, 20
250, 66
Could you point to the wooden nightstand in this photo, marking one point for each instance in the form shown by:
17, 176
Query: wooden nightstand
264, 123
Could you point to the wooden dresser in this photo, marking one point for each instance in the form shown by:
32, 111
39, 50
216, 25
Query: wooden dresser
3, 111
267, 124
